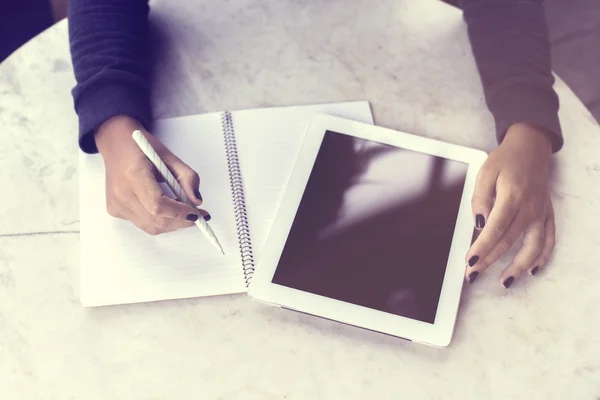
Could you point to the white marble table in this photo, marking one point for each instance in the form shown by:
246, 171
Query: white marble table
538, 340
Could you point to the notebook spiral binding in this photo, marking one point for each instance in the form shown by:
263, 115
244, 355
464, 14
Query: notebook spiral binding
237, 192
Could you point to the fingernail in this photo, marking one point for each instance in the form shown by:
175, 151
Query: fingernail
473, 260
479, 221
508, 282
192, 217
207, 217
473, 276
535, 270
198, 195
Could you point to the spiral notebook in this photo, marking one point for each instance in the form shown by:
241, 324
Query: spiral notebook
244, 159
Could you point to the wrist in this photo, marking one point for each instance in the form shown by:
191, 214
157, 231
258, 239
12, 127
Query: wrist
522, 133
114, 131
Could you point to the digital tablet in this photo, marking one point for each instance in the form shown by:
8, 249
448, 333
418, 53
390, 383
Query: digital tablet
372, 231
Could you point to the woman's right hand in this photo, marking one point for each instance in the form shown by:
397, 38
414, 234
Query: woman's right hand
132, 189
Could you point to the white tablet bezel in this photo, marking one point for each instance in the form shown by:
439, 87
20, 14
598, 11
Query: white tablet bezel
437, 334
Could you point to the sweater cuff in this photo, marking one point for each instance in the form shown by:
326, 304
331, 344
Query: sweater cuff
529, 105
104, 102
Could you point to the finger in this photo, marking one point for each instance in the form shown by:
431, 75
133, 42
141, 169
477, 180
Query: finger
205, 214
157, 204
143, 223
503, 245
549, 243
154, 225
483, 197
533, 242
497, 225
115, 209
133, 210
187, 178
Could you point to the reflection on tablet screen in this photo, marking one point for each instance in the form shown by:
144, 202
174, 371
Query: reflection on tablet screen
374, 227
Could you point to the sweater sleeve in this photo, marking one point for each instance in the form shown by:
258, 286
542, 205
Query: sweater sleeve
108, 40
511, 47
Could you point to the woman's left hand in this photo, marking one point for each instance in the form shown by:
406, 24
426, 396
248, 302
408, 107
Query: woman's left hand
512, 198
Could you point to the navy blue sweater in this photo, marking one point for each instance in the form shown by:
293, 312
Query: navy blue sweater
109, 44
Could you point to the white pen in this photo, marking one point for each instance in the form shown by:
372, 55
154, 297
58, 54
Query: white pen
201, 223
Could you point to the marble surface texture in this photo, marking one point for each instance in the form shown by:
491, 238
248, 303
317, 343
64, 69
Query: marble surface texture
412, 61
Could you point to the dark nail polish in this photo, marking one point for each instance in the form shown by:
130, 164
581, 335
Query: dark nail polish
192, 217
479, 221
508, 282
473, 276
197, 193
207, 217
473, 260
535, 270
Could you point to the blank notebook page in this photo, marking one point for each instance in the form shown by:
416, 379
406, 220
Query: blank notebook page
122, 264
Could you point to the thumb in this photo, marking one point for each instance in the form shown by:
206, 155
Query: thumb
483, 196
187, 178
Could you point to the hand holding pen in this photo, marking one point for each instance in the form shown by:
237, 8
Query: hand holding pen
174, 185
132, 190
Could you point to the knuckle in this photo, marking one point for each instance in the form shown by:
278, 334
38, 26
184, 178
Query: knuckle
151, 230
517, 195
498, 232
194, 174
533, 210
538, 244
155, 208
112, 210
505, 244
160, 223
527, 216
132, 172
119, 193
516, 201
190, 175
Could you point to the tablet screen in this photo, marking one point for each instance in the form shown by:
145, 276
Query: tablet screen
374, 227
